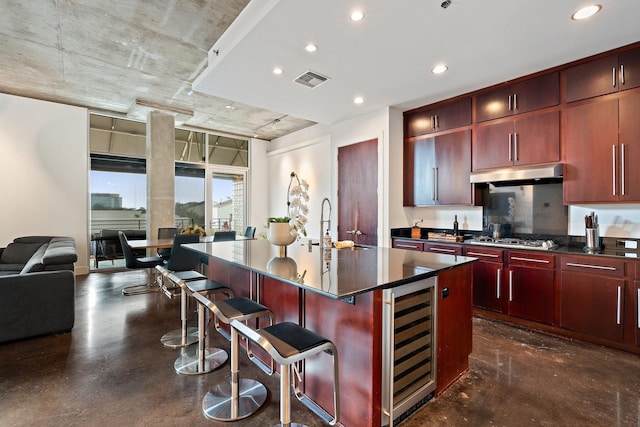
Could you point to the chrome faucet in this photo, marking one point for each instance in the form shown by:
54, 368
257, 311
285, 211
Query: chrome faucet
324, 221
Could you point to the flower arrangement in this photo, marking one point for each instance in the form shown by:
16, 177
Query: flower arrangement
297, 198
193, 229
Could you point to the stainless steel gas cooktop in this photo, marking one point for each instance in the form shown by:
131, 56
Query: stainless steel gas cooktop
512, 242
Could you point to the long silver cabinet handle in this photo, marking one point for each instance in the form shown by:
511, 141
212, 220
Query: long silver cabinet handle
515, 101
498, 280
509, 104
449, 251
400, 245
613, 167
613, 77
622, 189
622, 74
510, 285
638, 308
619, 309
510, 143
596, 267
481, 254
540, 261
515, 146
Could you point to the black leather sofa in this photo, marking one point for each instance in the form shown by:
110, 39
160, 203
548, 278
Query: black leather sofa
37, 286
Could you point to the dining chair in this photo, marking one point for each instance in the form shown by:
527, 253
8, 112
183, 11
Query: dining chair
221, 236
250, 232
166, 233
137, 263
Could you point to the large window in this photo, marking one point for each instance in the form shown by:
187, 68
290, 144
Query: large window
209, 178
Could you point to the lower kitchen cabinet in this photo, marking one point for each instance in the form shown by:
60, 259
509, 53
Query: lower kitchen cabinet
592, 296
408, 244
443, 248
531, 286
636, 295
488, 292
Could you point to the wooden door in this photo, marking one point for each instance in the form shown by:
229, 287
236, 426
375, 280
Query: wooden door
358, 192
492, 146
591, 79
630, 62
629, 148
531, 294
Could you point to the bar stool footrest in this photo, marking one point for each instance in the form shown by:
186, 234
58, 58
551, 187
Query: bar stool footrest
175, 339
218, 404
189, 363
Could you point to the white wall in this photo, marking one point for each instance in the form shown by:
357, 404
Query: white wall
258, 188
43, 171
615, 220
308, 153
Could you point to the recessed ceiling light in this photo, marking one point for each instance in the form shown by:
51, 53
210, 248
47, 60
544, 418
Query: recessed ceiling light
586, 12
311, 47
357, 15
358, 100
277, 70
439, 69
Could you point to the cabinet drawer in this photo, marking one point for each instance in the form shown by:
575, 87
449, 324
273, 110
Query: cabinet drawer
443, 248
412, 245
531, 259
593, 265
485, 254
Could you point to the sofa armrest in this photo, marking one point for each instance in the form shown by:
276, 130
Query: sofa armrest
36, 303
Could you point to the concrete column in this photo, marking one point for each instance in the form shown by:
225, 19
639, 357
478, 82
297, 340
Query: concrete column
160, 172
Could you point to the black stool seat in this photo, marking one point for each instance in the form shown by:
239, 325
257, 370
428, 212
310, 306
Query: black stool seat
290, 339
189, 275
205, 285
238, 308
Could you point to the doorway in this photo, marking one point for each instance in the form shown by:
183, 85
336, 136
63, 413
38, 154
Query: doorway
358, 192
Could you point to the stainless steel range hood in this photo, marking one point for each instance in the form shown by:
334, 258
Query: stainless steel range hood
519, 174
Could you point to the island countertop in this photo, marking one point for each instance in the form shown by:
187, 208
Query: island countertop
336, 273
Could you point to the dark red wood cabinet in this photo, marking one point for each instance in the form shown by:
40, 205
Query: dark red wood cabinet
531, 286
443, 117
592, 296
526, 140
636, 305
604, 76
408, 244
443, 248
602, 143
528, 95
436, 170
488, 281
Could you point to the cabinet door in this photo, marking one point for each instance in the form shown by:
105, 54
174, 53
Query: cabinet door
591, 151
420, 172
593, 78
487, 286
629, 148
528, 95
531, 293
411, 245
453, 163
537, 139
629, 69
536, 93
492, 146
419, 123
453, 115
592, 304
443, 248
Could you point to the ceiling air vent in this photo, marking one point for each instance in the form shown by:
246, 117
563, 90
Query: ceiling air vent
311, 79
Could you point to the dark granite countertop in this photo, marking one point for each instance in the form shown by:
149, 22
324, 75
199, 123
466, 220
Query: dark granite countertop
336, 273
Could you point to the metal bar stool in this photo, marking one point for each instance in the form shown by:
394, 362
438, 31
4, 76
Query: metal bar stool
204, 359
240, 397
185, 336
288, 343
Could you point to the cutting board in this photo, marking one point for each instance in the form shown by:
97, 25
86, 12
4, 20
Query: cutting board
444, 237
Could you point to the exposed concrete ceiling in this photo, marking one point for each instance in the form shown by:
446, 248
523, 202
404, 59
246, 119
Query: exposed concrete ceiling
107, 55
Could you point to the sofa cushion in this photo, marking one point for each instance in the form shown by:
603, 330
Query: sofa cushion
18, 253
60, 251
35, 262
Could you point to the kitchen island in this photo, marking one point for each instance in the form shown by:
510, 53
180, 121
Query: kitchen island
401, 320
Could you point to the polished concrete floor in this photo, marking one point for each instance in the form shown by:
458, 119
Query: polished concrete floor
113, 371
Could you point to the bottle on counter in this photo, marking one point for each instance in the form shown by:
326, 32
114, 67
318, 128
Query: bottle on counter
455, 225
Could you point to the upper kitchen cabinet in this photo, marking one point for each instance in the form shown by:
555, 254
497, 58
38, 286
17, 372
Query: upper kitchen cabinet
602, 142
532, 139
444, 117
603, 76
528, 95
437, 169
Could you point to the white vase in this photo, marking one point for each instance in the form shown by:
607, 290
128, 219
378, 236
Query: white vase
279, 234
